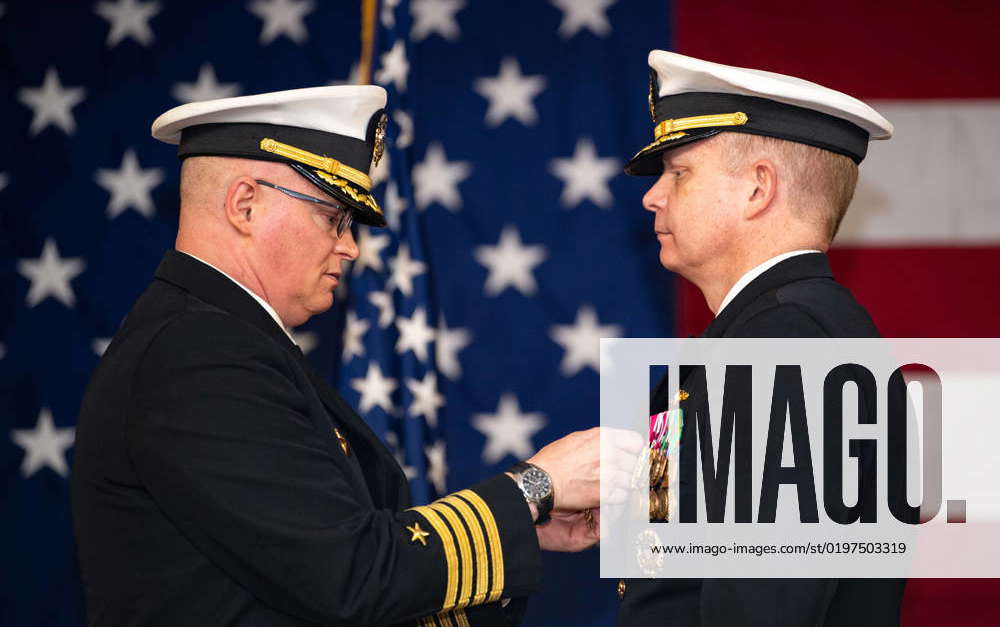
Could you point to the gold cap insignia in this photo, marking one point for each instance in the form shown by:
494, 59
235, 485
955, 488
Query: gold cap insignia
379, 140
654, 89
328, 165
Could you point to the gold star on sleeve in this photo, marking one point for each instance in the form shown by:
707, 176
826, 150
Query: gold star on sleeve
418, 533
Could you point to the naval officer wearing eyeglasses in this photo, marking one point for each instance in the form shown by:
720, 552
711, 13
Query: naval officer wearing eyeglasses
218, 480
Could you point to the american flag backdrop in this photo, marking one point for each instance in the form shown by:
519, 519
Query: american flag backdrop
467, 333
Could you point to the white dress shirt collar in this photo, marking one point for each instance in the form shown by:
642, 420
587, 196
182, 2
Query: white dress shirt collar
263, 303
756, 272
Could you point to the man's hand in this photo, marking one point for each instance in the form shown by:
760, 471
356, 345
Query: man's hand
574, 464
570, 531
621, 451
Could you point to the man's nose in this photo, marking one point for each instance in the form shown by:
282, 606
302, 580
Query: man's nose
347, 246
656, 197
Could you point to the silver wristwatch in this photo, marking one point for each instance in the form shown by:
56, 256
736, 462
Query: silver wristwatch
536, 485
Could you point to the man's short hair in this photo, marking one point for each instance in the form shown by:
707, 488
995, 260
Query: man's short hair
820, 183
209, 175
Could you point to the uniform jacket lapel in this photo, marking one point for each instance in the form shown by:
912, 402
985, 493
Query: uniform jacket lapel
797, 268
385, 480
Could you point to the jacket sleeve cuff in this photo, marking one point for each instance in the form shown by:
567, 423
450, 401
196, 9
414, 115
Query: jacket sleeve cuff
489, 541
522, 558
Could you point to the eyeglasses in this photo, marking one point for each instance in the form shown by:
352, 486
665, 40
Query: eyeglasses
340, 219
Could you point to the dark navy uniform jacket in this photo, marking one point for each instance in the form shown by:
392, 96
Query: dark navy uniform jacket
797, 297
210, 487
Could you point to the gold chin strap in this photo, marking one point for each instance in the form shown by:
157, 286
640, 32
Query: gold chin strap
326, 164
667, 127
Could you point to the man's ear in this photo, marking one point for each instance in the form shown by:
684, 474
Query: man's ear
765, 188
240, 197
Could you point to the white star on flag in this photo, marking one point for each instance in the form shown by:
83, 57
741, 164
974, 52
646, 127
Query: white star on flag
370, 248
426, 399
50, 275
585, 175
405, 122
510, 94
435, 179
437, 466
435, 16
305, 340
579, 14
282, 17
403, 269
386, 309
395, 205
45, 445
394, 67
581, 341
354, 330
52, 103
510, 263
414, 334
100, 345
128, 18
388, 15
375, 389
449, 343
508, 431
207, 87
130, 186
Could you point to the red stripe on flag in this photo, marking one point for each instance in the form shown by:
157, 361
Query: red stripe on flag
693, 315
886, 49
924, 292
951, 602
909, 292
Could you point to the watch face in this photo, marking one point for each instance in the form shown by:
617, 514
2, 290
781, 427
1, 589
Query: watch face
537, 484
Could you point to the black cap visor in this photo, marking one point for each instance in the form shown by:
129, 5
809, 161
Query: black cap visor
365, 207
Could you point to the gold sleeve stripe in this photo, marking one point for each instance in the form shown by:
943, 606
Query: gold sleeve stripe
493, 534
461, 618
448, 542
478, 542
444, 620
426, 621
465, 551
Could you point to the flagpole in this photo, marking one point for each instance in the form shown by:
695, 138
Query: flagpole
367, 40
